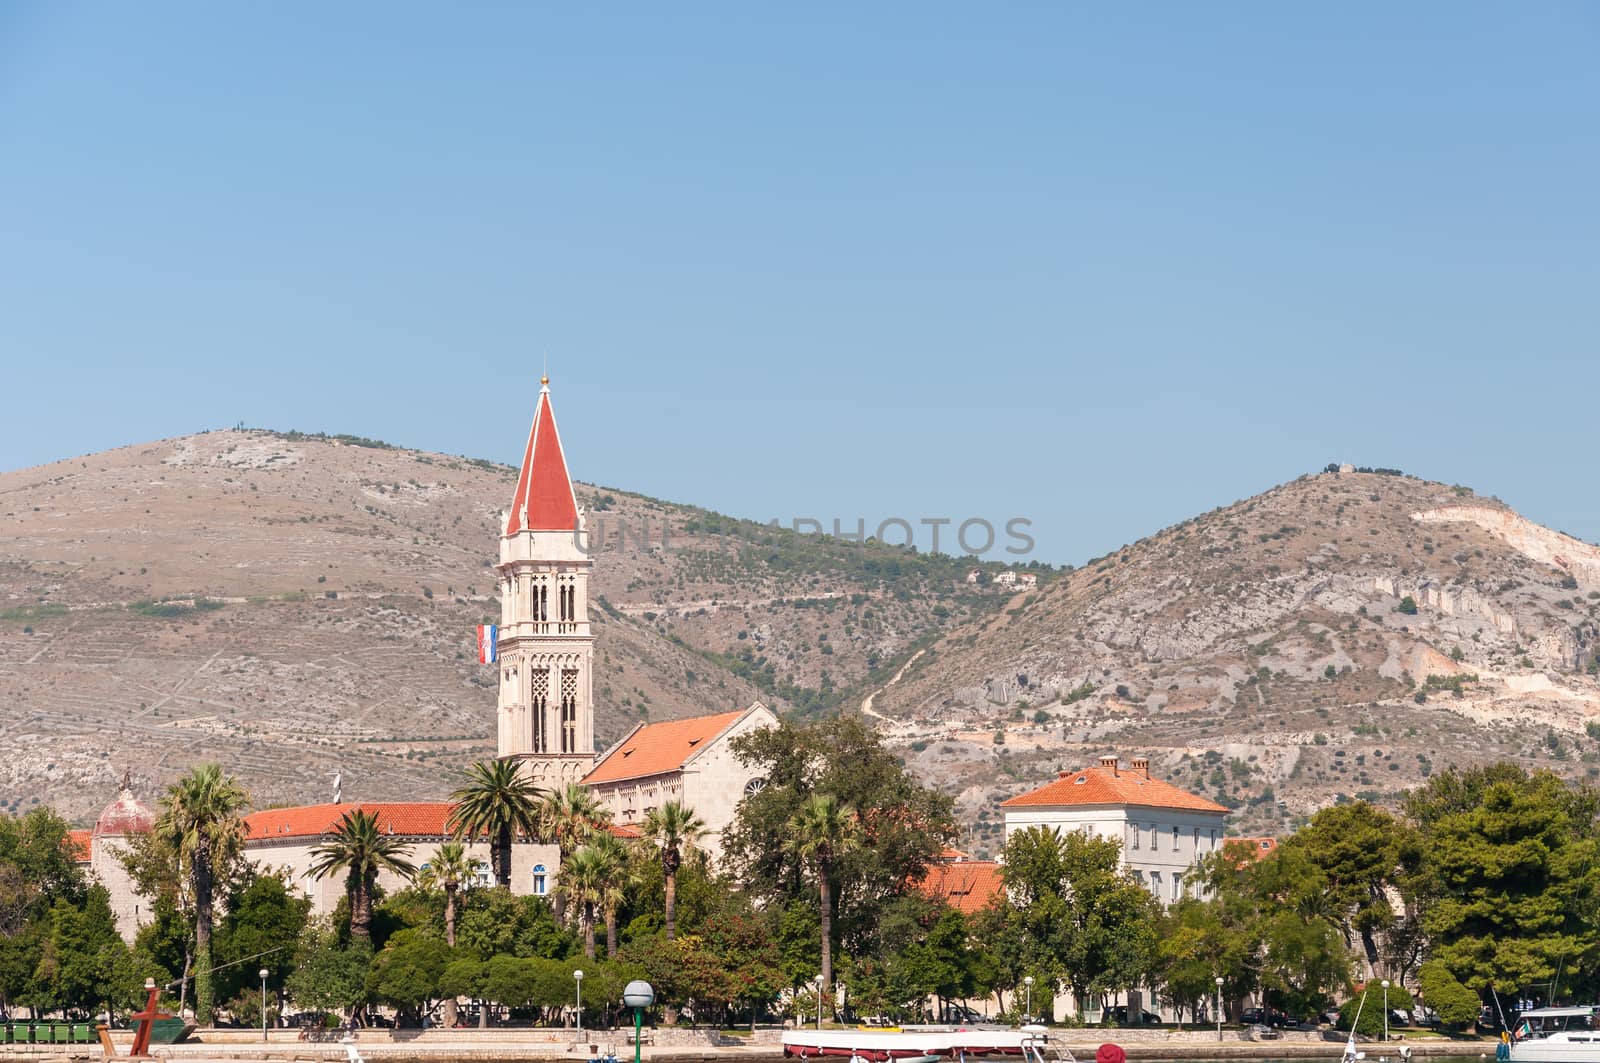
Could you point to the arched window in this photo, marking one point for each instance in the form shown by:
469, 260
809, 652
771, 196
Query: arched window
541, 881
754, 786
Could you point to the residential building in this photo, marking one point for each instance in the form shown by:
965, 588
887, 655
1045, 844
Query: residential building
1163, 831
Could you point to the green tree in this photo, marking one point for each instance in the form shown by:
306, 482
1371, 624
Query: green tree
200, 825
1505, 874
568, 816
904, 824
493, 922
1457, 1005
1081, 919
406, 972
260, 929
821, 834
1357, 847
1371, 1022
585, 878
36, 873
360, 850
672, 830
451, 871
617, 875
329, 976
498, 803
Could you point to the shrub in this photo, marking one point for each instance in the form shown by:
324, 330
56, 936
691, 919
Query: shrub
1408, 605
1456, 1004
1372, 1013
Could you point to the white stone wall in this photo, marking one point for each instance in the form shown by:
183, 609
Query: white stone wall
297, 855
715, 781
105, 866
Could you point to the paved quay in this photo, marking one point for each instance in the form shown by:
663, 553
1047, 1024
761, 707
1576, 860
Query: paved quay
510, 1045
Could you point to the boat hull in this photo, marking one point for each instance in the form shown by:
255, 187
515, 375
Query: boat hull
1552, 1050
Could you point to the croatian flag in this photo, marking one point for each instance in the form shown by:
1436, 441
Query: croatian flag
486, 650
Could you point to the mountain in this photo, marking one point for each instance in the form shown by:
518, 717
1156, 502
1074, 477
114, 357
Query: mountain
291, 605
1342, 635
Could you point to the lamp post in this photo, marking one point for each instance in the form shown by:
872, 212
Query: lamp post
263, 974
1027, 985
819, 1001
577, 977
1386, 1011
1219, 1007
638, 995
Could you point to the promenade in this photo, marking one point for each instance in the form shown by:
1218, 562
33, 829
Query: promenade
508, 1045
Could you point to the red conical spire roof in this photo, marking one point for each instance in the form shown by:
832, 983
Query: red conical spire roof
544, 499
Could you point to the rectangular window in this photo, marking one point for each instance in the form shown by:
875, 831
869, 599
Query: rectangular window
1155, 884
1177, 887
1135, 828
1174, 839
1197, 841
1155, 839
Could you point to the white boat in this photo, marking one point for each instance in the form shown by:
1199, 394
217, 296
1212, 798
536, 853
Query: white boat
1557, 1035
923, 1044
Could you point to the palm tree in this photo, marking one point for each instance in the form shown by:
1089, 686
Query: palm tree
497, 801
675, 831
200, 825
568, 817
820, 832
618, 874
361, 850
450, 870
582, 887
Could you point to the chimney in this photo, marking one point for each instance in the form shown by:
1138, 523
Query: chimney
1142, 766
1109, 763
1064, 774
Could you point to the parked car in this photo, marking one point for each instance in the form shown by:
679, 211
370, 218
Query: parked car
1119, 1015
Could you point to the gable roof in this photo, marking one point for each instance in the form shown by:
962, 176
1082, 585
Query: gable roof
965, 885
544, 500
657, 748
77, 844
425, 819
1111, 786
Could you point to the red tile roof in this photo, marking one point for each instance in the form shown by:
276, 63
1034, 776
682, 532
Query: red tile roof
1111, 786
966, 885
1249, 848
410, 818
544, 500
656, 748
625, 831
77, 845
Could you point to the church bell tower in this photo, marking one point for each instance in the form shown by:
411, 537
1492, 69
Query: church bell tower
545, 649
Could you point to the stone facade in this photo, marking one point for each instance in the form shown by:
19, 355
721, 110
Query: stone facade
690, 761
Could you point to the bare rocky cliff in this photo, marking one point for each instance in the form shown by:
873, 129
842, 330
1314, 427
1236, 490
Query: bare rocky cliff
1343, 634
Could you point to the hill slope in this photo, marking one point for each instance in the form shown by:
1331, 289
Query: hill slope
1342, 634
289, 605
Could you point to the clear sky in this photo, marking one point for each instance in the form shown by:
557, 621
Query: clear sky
1100, 266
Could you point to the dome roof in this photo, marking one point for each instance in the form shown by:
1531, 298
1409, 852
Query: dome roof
126, 815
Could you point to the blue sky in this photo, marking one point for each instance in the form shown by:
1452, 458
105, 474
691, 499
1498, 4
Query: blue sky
1099, 266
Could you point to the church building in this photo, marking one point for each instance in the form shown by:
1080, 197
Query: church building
544, 653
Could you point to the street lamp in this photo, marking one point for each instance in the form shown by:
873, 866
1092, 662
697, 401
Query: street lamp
1386, 1011
819, 1001
263, 974
1027, 984
638, 995
577, 976
1219, 1007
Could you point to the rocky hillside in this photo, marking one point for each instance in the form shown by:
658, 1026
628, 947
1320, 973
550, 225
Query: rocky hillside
291, 604
1342, 635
